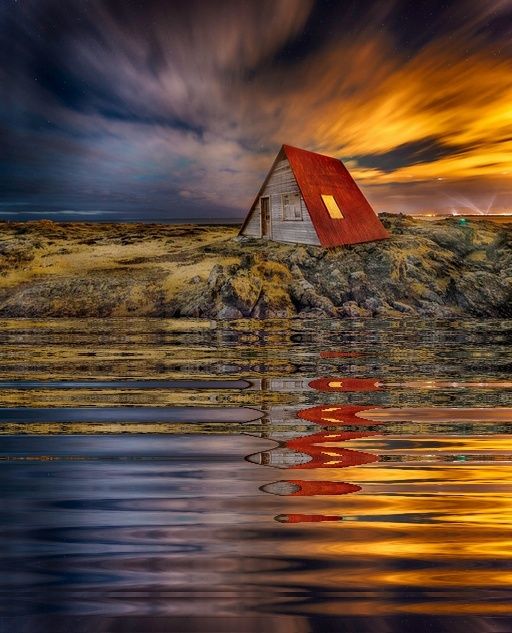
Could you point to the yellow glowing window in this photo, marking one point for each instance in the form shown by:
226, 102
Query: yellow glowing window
332, 207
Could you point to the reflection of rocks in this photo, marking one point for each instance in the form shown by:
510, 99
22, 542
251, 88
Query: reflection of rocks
429, 269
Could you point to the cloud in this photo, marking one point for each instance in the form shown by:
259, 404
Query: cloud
177, 109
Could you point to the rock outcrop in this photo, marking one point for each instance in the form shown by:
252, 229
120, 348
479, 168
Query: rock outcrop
440, 269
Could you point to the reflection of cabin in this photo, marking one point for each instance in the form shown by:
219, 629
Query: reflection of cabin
280, 385
309, 198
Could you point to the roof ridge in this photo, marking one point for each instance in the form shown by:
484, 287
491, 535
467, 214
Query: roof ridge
308, 151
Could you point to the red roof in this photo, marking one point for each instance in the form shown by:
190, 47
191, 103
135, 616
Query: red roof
317, 174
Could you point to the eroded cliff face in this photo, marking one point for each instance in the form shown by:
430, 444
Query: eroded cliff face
440, 269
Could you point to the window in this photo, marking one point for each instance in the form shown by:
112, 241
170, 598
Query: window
332, 207
292, 210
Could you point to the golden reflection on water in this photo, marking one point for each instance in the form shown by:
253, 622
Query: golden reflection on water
407, 511
412, 445
360, 606
391, 475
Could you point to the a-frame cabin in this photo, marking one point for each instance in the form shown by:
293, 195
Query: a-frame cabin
309, 198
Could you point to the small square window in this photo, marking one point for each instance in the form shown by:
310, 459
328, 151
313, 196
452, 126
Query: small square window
332, 207
292, 210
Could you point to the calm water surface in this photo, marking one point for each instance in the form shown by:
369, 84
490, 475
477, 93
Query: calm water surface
186, 476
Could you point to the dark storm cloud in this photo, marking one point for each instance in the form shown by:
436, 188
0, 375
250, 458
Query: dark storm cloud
174, 109
415, 152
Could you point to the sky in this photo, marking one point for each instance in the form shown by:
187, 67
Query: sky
165, 110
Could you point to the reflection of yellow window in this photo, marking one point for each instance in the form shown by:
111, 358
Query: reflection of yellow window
332, 207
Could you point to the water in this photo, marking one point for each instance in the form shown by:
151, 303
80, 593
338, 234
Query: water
147, 487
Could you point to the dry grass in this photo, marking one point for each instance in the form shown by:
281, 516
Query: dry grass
39, 249
181, 275
119, 270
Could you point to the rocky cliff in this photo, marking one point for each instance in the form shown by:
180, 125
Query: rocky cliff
439, 269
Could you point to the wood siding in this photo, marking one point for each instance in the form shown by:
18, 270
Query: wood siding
252, 226
280, 181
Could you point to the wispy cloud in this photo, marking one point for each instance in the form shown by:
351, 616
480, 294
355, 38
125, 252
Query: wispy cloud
176, 110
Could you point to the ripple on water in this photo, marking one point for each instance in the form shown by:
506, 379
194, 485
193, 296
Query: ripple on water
162, 504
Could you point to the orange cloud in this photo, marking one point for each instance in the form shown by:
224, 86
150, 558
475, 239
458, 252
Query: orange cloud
374, 104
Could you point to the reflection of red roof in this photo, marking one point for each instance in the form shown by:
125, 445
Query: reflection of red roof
328, 456
306, 442
317, 174
322, 457
313, 488
306, 518
336, 414
345, 384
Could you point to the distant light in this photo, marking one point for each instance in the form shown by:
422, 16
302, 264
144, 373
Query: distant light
463, 221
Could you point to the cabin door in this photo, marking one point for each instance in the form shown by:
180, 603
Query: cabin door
265, 216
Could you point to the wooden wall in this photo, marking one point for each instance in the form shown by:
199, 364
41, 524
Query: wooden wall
282, 181
253, 226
